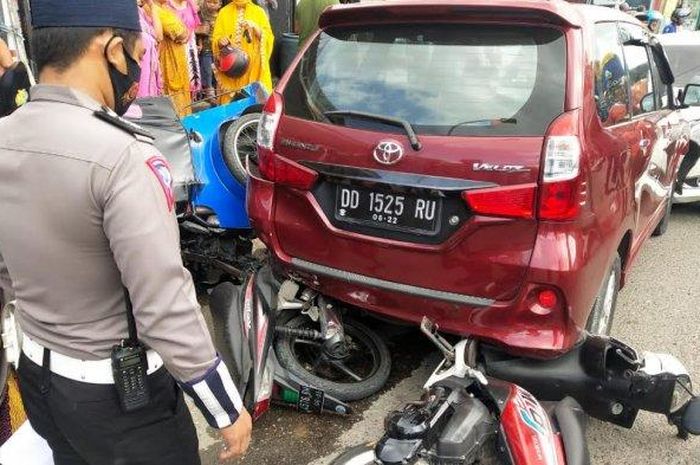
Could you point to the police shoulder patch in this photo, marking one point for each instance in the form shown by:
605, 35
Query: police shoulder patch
160, 168
109, 116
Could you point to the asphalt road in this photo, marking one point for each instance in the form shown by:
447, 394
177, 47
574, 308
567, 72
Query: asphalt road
659, 310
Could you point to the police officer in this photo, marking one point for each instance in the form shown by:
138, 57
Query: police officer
87, 213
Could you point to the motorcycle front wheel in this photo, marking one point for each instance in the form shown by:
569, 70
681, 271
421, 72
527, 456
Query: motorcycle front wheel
361, 373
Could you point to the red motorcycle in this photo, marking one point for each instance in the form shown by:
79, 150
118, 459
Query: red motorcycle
468, 418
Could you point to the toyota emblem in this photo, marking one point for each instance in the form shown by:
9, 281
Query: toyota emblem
388, 152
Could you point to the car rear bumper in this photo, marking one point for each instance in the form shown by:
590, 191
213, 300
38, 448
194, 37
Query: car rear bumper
507, 324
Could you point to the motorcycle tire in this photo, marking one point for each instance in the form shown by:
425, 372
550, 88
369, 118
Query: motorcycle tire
344, 391
240, 145
601, 318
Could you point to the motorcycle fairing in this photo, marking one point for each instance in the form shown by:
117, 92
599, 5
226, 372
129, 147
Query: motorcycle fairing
218, 190
528, 431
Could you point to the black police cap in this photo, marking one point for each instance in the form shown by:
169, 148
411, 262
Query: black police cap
117, 14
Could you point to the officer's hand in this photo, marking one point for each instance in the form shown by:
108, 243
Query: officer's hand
236, 437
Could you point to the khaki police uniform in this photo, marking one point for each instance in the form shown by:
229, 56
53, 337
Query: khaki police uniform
87, 208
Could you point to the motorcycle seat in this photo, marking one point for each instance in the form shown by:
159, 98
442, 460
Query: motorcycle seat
571, 419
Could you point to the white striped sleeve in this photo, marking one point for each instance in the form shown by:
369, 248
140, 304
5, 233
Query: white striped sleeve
215, 395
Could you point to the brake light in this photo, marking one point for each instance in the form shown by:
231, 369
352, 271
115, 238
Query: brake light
562, 192
272, 166
512, 201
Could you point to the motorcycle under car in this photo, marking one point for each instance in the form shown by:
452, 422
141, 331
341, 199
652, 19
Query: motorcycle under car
481, 405
466, 417
244, 331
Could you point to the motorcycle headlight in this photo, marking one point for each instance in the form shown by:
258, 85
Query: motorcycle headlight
682, 393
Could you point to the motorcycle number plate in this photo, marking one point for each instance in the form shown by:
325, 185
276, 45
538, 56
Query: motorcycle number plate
310, 400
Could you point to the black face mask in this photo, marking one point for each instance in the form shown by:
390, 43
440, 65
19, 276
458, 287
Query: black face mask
124, 86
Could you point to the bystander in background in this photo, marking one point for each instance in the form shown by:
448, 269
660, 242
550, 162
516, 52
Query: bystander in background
173, 59
244, 26
208, 11
14, 81
188, 12
151, 81
306, 16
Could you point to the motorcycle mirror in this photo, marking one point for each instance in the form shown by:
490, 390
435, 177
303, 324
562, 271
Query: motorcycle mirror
691, 417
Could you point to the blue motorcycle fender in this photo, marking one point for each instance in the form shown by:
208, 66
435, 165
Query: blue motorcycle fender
218, 190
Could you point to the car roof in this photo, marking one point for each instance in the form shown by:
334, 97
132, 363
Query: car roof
552, 11
596, 14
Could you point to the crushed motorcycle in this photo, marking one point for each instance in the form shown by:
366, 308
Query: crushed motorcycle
481, 405
467, 417
206, 152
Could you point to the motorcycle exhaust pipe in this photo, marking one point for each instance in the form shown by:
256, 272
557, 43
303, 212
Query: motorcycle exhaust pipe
607, 377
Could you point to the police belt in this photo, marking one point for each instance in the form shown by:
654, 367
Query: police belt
85, 371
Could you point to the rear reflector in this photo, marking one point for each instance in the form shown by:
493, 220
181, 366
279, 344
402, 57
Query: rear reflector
260, 408
544, 300
512, 201
547, 298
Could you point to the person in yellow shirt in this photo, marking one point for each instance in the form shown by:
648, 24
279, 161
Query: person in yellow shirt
244, 25
173, 59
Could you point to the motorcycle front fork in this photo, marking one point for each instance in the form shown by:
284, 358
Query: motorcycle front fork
609, 379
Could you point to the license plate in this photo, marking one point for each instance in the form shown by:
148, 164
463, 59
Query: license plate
310, 400
388, 210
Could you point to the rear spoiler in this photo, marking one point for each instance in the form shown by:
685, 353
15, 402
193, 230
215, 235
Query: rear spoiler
549, 12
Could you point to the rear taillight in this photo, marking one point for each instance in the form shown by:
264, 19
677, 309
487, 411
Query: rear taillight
262, 403
562, 192
512, 201
270, 120
272, 166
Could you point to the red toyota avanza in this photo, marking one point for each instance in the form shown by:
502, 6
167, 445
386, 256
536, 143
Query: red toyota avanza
494, 165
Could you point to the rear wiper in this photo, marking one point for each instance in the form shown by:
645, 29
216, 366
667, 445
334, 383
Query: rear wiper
400, 122
482, 122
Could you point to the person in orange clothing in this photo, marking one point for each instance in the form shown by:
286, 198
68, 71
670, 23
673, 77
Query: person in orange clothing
173, 59
244, 25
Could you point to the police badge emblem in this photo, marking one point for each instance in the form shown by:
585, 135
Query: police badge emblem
159, 167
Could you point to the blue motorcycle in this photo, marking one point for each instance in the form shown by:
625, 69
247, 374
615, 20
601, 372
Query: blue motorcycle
208, 152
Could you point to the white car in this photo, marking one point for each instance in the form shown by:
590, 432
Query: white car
683, 50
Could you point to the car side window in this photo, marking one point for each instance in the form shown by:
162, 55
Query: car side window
661, 88
611, 88
642, 96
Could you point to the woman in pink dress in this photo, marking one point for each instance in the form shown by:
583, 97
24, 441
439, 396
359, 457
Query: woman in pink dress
188, 12
150, 84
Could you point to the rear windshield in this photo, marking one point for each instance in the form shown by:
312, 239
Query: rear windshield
444, 79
